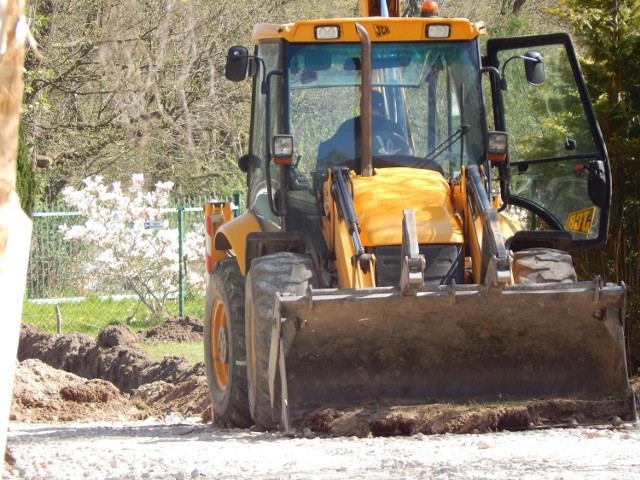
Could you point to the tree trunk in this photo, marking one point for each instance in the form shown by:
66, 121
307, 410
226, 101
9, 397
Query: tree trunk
517, 5
411, 8
15, 226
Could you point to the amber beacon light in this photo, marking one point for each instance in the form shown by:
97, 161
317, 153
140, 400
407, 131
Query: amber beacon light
429, 8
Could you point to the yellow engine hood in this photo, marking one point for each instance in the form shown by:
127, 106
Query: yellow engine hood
379, 201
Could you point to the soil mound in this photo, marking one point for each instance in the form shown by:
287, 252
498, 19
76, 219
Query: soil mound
116, 336
381, 420
112, 368
177, 329
42, 393
91, 391
188, 398
114, 357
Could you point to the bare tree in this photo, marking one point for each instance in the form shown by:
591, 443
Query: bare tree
511, 5
127, 87
134, 87
138, 87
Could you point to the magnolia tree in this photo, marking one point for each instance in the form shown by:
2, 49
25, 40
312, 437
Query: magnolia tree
125, 249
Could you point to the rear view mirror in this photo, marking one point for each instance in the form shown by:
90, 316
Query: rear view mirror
308, 76
237, 64
534, 67
314, 61
317, 60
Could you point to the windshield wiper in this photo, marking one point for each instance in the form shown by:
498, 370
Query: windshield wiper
453, 138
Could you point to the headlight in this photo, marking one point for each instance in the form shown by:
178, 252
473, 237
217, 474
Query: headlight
438, 31
282, 149
327, 32
497, 146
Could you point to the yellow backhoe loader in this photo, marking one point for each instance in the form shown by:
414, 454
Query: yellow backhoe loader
411, 205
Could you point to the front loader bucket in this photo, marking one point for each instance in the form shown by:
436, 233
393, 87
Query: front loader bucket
455, 343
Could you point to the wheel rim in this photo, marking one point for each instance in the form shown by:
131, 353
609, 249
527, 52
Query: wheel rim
220, 344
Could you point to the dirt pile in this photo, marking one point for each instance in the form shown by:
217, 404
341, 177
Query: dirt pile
72, 373
114, 356
45, 394
177, 329
385, 420
189, 398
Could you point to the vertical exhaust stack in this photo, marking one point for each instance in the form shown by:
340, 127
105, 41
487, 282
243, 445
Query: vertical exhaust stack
365, 106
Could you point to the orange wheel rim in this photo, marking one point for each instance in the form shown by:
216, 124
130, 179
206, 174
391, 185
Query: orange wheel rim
220, 344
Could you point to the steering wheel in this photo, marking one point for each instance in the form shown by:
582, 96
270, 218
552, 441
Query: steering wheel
537, 210
387, 142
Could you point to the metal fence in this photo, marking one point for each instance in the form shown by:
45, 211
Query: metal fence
55, 297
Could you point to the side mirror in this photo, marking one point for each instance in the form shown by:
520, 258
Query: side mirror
597, 184
247, 161
237, 64
534, 67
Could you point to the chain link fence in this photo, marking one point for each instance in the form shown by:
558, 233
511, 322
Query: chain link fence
56, 299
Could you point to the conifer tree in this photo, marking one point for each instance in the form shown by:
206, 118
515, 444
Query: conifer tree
25, 176
609, 33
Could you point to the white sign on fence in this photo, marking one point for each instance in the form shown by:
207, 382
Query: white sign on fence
156, 224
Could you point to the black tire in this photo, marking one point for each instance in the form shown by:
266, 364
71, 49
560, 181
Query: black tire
281, 272
543, 265
224, 345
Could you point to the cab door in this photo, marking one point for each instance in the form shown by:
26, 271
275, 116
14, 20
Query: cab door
557, 174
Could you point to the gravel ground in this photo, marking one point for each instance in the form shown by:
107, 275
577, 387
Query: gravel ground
191, 449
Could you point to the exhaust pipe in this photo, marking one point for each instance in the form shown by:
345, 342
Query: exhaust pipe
365, 102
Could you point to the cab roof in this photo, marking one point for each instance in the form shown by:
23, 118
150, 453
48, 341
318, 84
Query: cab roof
380, 29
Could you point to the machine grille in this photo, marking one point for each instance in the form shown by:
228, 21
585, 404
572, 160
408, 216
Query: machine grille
444, 264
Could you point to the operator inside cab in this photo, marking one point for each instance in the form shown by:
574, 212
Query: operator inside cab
344, 147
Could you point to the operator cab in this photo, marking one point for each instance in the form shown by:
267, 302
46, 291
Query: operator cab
308, 83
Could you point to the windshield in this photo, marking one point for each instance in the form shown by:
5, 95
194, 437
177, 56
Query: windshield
426, 105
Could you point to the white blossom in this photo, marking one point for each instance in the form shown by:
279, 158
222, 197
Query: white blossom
125, 251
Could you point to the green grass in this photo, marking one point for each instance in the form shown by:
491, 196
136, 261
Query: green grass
192, 351
92, 314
